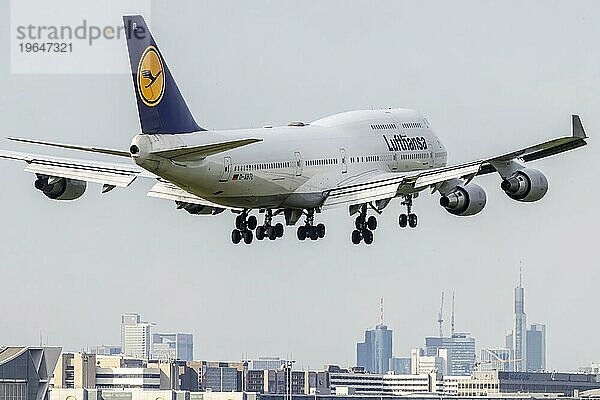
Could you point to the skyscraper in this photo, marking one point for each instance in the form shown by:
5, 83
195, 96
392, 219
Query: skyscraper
135, 336
518, 335
375, 352
536, 348
461, 352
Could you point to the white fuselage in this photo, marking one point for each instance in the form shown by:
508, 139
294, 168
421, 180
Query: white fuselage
292, 166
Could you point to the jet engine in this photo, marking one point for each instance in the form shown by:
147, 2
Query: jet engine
60, 188
198, 209
525, 185
464, 200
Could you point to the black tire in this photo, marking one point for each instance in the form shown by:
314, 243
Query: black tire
236, 236
252, 222
321, 230
358, 223
260, 232
403, 220
368, 236
248, 236
239, 222
356, 237
279, 230
314, 234
412, 220
301, 232
271, 233
372, 223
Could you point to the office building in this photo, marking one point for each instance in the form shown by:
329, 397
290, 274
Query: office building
422, 364
400, 365
350, 383
135, 336
375, 352
516, 339
498, 359
25, 372
494, 382
173, 346
536, 348
461, 352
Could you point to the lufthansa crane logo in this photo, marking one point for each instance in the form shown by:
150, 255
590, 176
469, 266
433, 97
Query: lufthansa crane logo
150, 77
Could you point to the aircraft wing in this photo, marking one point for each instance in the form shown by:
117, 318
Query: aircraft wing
111, 174
384, 185
168, 191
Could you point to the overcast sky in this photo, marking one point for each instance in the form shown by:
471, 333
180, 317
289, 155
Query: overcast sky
490, 76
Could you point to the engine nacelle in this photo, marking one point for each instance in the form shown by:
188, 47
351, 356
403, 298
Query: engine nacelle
526, 185
60, 188
464, 200
198, 209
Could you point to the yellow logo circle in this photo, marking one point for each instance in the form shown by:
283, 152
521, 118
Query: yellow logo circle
151, 77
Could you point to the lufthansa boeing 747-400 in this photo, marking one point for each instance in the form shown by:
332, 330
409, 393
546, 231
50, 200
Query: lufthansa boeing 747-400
359, 159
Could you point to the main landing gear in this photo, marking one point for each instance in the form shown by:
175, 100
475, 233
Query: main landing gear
267, 230
409, 218
244, 225
364, 227
309, 230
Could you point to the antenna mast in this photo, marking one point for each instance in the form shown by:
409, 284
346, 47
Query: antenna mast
381, 310
441, 316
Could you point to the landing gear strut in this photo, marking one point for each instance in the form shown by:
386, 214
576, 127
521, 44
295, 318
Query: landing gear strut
309, 230
364, 227
409, 218
268, 230
244, 225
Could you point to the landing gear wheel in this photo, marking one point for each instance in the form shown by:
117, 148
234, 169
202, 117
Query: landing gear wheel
367, 236
279, 230
412, 220
239, 222
271, 233
236, 236
358, 223
321, 231
248, 236
372, 223
314, 234
260, 232
302, 232
252, 222
356, 237
403, 220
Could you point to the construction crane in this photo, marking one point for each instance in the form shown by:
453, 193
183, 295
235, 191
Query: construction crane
498, 359
441, 316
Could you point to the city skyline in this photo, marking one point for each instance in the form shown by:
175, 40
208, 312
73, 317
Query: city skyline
484, 75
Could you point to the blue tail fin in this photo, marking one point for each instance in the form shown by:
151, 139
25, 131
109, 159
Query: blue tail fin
161, 106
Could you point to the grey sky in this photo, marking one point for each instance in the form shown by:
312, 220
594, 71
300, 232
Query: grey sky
491, 77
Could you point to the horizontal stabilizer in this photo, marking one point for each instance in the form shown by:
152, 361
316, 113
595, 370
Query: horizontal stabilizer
202, 151
73, 147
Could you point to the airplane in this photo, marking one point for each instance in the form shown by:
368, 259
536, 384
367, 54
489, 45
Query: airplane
359, 159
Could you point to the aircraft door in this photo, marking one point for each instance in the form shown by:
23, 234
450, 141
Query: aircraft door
226, 169
298, 163
344, 160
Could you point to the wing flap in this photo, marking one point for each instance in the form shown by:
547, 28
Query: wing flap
373, 186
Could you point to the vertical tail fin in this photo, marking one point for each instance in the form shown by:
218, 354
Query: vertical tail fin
161, 106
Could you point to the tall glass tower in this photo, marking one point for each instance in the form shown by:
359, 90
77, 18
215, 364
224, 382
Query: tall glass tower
519, 333
375, 352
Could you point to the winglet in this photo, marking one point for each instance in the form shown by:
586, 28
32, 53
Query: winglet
578, 130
